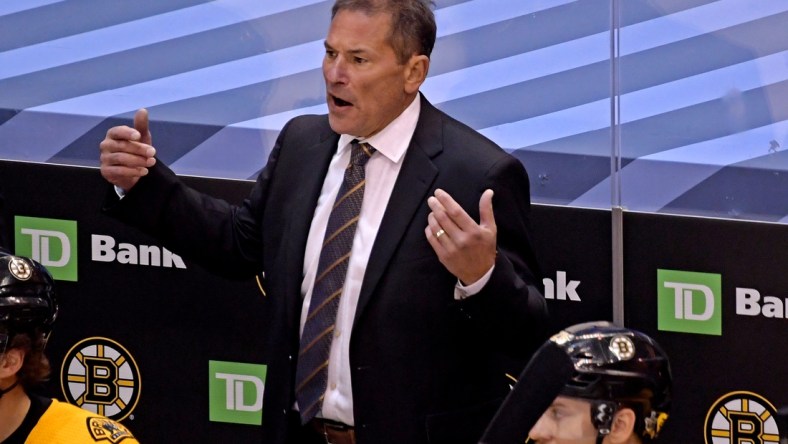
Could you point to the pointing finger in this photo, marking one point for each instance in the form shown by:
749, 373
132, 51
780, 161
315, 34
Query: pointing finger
486, 214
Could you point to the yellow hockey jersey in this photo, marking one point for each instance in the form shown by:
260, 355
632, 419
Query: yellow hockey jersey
63, 423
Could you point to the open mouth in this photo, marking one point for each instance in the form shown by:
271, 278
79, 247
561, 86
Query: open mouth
340, 102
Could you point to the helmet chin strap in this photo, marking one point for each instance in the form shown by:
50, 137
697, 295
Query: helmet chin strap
4, 391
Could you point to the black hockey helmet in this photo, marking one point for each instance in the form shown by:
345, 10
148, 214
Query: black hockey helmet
27, 298
617, 367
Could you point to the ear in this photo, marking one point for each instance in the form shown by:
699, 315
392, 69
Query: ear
623, 426
10, 362
416, 72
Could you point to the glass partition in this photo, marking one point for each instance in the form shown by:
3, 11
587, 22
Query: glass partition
683, 99
703, 89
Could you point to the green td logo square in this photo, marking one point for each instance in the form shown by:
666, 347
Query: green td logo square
235, 392
689, 302
52, 242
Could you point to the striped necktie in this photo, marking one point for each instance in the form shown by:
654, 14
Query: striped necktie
312, 369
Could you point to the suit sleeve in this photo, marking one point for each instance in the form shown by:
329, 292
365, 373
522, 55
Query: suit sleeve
223, 238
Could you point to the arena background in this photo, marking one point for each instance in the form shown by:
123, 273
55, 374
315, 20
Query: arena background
654, 133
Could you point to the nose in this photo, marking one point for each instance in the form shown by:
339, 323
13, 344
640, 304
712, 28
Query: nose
541, 431
334, 70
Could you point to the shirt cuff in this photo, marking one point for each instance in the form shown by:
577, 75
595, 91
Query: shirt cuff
119, 191
465, 291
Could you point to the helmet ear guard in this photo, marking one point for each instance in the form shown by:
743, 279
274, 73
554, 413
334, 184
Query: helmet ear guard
602, 414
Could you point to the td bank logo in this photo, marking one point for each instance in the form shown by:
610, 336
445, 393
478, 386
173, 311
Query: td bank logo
689, 302
52, 242
236, 392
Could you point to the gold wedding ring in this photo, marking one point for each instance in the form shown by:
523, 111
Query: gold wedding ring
439, 233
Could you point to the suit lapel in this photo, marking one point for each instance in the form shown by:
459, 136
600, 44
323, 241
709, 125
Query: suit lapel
410, 192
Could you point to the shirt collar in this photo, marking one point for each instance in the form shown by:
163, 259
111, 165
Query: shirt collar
393, 140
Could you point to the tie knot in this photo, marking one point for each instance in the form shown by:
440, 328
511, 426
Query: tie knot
360, 152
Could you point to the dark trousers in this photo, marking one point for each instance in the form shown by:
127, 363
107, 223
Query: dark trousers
301, 434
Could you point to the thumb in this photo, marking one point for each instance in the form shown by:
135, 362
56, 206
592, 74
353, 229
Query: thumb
486, 215
141, 125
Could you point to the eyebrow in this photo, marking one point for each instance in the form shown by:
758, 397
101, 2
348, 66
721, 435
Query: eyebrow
352, 51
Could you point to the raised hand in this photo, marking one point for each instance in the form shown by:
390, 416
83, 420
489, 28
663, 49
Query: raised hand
465, 248
126, 153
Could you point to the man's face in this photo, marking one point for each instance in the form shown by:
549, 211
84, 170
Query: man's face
567, 420
366, 87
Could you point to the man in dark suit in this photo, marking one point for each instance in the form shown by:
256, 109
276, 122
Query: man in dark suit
432, 302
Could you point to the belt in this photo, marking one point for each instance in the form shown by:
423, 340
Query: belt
334, 432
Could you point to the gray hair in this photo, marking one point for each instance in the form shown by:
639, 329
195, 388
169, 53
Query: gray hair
413, 27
